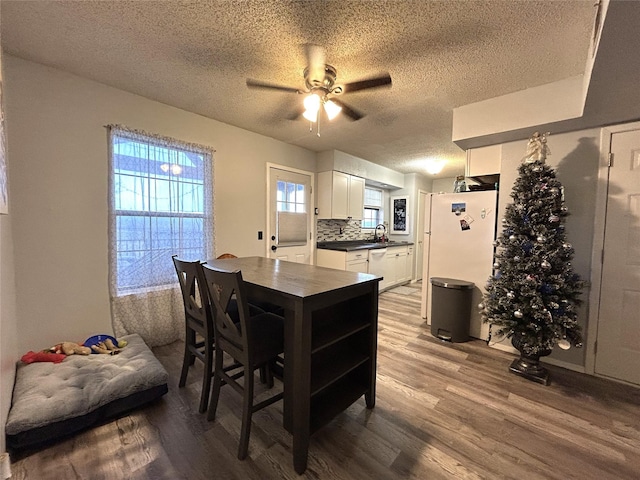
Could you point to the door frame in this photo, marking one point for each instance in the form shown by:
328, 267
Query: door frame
312, 207
419, 235
602, 192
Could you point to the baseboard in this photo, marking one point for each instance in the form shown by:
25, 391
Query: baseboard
559, 363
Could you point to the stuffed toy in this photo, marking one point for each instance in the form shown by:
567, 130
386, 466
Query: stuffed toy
70, 348
105, 344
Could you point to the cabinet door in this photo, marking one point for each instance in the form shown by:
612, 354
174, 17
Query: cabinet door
391, 276
359, 266
484, 161
401, 267
410, 259
356, 197
340, 196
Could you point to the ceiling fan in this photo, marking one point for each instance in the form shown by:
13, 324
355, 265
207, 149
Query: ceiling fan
321, 89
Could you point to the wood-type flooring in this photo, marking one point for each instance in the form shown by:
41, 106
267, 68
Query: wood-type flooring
443, 411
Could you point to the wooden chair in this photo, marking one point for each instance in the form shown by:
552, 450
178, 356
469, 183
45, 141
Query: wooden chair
198, 322
254, 342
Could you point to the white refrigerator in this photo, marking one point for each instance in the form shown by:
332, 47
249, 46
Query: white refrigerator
458, 236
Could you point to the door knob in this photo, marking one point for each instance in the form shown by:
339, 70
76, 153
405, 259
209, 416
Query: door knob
274, 247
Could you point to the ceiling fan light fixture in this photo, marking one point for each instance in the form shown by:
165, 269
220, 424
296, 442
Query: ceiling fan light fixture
311, 115
312, 102
332, 109
312, 106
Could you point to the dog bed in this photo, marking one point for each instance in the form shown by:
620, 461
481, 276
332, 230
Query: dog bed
54, 400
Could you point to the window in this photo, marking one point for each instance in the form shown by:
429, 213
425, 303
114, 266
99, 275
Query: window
160, 206
290, 197
373, 212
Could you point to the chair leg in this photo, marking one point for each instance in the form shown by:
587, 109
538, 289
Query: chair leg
217, 384
269, 373
206, 381
189, 358
247, 408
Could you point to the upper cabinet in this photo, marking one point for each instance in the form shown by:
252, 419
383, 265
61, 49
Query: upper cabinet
340, 196
484, 161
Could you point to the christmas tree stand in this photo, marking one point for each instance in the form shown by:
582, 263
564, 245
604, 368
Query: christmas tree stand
528, 366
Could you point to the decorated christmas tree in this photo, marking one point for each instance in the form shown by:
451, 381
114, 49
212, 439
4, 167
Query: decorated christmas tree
533, 293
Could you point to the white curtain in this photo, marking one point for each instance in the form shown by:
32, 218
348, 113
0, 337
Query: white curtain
160, 204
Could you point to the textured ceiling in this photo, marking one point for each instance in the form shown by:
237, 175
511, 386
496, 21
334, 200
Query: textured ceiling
198, 55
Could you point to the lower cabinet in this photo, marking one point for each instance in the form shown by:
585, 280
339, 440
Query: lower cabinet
355, 261
396, 264
391, 263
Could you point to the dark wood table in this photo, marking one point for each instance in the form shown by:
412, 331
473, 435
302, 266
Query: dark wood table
331, 328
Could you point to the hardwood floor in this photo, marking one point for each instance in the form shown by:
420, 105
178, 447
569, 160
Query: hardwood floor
442, 411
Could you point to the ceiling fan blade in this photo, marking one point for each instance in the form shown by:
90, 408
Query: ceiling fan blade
271, 86
296, 114
315, 63
348, 111
375, 82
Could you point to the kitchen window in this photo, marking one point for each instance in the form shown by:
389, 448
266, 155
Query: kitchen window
373, 212
160, 206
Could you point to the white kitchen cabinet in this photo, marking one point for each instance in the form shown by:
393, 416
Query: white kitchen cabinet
396, 267
484, 161
354, 261
359, 264
340, 196
393, 264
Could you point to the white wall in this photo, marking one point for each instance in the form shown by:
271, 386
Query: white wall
8, 322
58, 192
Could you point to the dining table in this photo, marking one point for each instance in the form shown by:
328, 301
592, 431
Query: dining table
331, 326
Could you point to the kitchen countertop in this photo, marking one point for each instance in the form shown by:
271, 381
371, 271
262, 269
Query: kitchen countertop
351, 245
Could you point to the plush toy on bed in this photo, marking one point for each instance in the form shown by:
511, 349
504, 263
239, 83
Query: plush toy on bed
105, 344
70, 348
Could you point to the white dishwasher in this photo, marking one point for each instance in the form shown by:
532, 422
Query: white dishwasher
377, 264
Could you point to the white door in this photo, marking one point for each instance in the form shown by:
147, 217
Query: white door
618, 341
419, 250
290, 215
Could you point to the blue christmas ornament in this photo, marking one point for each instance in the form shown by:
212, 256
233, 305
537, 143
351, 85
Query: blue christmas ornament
527, 247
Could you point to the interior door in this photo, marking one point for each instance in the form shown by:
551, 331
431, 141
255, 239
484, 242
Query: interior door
618, 340
290, 215
419, 250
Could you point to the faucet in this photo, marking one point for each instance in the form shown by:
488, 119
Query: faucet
375, 233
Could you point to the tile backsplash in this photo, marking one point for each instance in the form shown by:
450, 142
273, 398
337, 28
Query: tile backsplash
335, 230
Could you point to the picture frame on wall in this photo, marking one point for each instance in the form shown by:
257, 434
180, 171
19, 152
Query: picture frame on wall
400, 215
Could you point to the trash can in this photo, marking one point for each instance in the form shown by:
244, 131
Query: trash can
451, 308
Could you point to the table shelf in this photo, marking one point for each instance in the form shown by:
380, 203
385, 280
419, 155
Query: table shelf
337, 397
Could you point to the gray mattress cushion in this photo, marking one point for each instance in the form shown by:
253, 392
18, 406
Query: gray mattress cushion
47, 392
